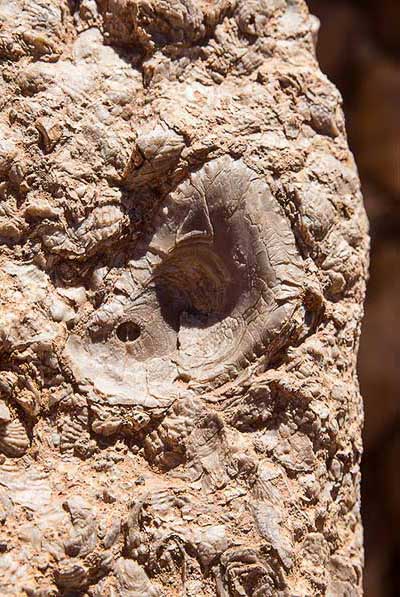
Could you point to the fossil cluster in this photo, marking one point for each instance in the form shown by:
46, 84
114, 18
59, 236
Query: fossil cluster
183, 257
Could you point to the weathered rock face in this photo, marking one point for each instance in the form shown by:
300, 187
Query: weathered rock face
183, 259
359, 51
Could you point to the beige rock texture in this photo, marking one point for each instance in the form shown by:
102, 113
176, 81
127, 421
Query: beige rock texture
183, 264
359, 50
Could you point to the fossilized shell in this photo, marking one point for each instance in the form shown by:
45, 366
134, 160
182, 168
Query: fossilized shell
269, 519
133, 581
230, 260
21, 34
208, 453
158, 151
50, 131
209, 543
73, 429
71, 574
26, 287
83, 539
175, 21
161, 531
166, 446
8, 150
103, 223
29, 488
221, 285
6, 505
14, 440
246, 574
252, 15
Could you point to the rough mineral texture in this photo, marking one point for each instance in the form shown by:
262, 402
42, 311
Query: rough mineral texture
359, 48
183, 261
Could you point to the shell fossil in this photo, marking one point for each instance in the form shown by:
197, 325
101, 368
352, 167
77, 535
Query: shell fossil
104, 224
158, 151
71, 574
230, 255
252, 15
29, 488
83, 538
224, 285
73, 429
133, 581
245, 574
5, 415
160, 532
14, 440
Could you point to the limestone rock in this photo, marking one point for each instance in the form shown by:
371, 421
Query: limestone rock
183, 261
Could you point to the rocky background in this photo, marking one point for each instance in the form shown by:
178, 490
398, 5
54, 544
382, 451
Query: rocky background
359, 49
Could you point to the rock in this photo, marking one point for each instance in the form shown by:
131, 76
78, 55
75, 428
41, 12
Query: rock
182, 270
5, 415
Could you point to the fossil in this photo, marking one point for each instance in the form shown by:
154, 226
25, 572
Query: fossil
14, 440
225, 290
183, 254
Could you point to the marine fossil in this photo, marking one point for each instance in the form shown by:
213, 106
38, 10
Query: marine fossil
225, 289
14, 440
133, 581
245, 574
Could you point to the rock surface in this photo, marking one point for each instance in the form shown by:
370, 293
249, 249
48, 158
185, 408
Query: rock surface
183, 262
359, 50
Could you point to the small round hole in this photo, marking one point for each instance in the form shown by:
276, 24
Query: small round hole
128, 331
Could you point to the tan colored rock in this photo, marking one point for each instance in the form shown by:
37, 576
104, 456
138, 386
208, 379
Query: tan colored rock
183, 262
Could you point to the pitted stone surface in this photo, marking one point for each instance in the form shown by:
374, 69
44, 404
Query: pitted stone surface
183, 260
